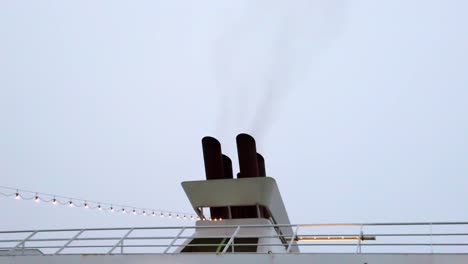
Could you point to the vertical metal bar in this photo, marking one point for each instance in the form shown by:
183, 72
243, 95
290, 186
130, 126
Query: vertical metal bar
174, 240
69, 242
361, 234
258, 211
229, 212
120, 242
292, 240
122, 246
430, 228
231, 240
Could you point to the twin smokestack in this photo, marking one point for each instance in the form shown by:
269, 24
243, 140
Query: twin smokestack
219, 166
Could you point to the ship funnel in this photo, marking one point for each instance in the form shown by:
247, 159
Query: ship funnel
227, 167
247, 152
261, 165
213, 158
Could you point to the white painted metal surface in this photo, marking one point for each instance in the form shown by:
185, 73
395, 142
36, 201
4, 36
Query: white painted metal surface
242, 258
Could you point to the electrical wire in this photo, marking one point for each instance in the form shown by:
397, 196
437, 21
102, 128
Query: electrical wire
27, 195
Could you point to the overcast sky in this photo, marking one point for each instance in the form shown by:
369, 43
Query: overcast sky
359, 107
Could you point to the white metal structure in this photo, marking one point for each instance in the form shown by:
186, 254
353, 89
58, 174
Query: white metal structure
267, 238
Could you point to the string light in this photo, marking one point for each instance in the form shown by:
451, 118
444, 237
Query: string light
87, 204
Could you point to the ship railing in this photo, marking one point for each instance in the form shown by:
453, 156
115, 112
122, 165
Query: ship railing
356, 238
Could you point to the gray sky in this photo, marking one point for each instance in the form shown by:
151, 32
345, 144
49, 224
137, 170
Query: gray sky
359, 107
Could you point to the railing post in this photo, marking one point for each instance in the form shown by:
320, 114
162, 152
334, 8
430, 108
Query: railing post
430, 228
292, 240
361, 235
120, 242
174, 240
69, 242
231, 240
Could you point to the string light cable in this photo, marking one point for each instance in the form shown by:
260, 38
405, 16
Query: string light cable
39, 197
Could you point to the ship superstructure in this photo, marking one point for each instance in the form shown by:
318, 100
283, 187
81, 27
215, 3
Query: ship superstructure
241, 219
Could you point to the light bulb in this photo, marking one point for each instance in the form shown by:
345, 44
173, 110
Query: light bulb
99, 207
144, 213
153, 214
36, 199
17, 196
170, 216
123, 210
134, 211
112, 209
70, 204
162, 215
86, 206
54, 201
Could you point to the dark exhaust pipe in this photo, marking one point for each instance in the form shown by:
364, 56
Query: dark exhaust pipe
217, 166
227, 167
247, 152
261, 165
213, 158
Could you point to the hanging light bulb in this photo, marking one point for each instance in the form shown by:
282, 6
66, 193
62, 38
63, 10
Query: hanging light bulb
134, 212
170, 216
123, 210
70, 203
17, 196
185, 217
144, 213
86, 205
162, 215
177, 216
99, 207
112, 209
36, 199
54, 201
153, 214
